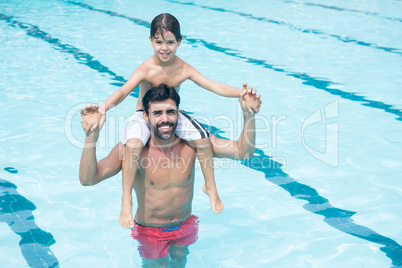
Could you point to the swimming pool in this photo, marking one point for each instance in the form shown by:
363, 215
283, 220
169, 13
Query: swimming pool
323, 189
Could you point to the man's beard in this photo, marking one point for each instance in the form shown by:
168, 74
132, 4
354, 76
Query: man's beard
165, 135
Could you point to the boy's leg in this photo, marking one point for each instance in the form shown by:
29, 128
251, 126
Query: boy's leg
190, 130
205, 157
134, 136
129, 169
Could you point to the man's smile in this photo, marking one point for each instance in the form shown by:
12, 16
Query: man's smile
165, 127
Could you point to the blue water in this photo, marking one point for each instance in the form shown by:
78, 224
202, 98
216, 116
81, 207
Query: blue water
323, 189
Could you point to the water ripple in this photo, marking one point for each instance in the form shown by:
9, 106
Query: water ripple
335, 217
319, 83
80, 56
16, 212
296, 28
339, 219
367, 13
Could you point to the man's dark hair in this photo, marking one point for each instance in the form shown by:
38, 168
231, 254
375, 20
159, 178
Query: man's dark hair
160, 93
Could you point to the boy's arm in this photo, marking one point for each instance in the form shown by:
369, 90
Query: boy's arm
213, 86
221, 88
117, 97
244, 147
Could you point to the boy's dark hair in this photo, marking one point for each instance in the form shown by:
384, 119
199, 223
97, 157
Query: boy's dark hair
160, 93
165, 22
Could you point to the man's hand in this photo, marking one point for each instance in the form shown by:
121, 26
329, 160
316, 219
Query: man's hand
92, 119
249, 101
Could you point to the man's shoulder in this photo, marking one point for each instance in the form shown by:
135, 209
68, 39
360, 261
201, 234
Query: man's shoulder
188, 145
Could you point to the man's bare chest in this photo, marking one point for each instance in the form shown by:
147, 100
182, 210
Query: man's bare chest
166, 170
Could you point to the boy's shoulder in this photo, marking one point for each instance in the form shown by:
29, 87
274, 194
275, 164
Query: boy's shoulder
146, 65
186, 67
148, 61
182, 62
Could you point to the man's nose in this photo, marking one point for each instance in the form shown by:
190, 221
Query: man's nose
164, 117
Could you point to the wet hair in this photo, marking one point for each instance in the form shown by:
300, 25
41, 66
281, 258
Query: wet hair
165, 22
160, 93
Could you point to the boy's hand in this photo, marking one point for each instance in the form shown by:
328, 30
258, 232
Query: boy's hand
92, 118
249, 101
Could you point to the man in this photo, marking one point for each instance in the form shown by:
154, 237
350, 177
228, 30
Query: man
164, 183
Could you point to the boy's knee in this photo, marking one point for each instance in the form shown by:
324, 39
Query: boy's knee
132, 150
134, 145
201, 143
85, 181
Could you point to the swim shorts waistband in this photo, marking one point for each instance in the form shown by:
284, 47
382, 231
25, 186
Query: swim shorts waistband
161, 225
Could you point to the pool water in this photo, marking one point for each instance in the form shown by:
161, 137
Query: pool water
323, 189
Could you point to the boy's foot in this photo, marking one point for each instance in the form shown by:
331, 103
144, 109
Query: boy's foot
126, 216
216, 203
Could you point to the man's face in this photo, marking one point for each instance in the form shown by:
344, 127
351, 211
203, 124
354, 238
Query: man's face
162, 118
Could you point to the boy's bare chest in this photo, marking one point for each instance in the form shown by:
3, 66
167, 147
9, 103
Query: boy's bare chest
170, 77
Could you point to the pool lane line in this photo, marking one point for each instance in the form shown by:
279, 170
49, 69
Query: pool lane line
88, 60
322, 84
295, 28
57, 44
337, 218
367, 13
16, 212
390, 245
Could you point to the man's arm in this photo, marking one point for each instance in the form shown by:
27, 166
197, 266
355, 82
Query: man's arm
244, 147
91, 171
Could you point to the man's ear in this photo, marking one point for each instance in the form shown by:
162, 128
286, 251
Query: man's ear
146, 119
179, 42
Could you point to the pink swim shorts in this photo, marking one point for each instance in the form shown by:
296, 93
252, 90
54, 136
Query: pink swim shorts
155, 242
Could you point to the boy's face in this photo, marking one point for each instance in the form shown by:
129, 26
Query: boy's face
165, 46
162, 118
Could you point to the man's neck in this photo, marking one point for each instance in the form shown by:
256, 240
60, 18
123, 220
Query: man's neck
161, 144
